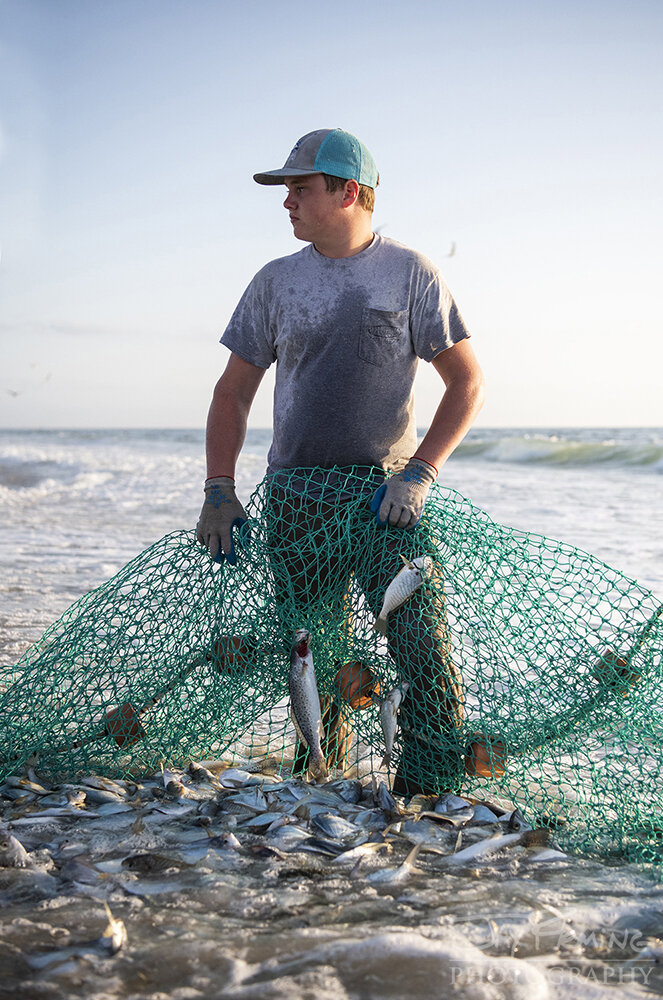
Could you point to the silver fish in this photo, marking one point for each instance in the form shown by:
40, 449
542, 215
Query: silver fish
450, 803
355, 854
419, 831
458, 818
198, 773
174, 788
482, 814
397, 874
99, 796
490, 845
75, 797
12, 852
385, 800
113, 938
288, 838
262, 821
80, 870
516, 821
104, 784
252, 798
305, 702
548, 854
315, 845
16, 794
403, 586
234, 777
220, 842
115, 935
264, 851
26, 785
348, 789
335, 826
389, 719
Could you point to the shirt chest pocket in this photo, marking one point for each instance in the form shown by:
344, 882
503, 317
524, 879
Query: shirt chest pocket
384, 336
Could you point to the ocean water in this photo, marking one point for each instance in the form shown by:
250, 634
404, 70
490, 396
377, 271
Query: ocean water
77, 505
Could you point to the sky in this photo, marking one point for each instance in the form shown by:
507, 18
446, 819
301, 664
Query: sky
527, 136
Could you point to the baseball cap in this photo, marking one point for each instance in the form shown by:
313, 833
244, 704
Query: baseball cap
326, 151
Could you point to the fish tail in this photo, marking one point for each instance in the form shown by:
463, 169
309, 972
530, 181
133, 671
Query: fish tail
380, 625
411, 859
318, 768
386, 760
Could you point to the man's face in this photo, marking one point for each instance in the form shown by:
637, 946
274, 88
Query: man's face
315, 212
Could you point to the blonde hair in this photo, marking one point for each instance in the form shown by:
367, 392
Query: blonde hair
366, 196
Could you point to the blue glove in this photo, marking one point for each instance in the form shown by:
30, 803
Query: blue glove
400, 501
221, 513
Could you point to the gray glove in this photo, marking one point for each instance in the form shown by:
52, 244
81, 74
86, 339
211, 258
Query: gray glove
400, 501
221, 512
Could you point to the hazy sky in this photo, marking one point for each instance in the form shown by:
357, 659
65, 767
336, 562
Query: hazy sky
529, 134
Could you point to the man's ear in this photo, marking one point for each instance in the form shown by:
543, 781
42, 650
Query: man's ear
350, 193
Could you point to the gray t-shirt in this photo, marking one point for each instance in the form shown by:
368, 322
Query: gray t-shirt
346, 335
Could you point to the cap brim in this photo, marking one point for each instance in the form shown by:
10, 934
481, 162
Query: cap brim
279, 176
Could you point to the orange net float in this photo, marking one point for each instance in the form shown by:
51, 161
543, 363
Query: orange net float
124, 726
616, 671
485, 757
121, 724
357, 684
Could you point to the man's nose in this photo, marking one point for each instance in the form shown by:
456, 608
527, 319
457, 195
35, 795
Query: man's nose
289, 201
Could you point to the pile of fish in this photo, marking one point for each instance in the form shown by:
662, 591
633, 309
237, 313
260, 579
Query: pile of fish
113, 840
110, 839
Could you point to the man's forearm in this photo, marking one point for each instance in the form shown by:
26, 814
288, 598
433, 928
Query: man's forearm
454, 417
228, 415
226, 430
399, 502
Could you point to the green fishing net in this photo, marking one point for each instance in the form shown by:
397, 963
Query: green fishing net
533, 669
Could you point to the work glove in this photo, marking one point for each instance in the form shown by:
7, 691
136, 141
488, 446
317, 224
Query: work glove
221, 512
399, 502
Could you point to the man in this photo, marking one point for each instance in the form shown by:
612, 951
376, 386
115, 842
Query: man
346, 319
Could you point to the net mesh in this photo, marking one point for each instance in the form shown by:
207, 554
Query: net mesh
534, 669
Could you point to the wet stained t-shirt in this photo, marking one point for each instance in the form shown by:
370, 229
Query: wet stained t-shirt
346, 335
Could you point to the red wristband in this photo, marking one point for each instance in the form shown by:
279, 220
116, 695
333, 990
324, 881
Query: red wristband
426, 462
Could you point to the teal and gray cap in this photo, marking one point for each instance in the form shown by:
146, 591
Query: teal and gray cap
326, 151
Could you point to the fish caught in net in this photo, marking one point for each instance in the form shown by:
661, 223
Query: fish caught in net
525, 668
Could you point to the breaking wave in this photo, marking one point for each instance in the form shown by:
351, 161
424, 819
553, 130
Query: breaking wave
586, 448
82, 460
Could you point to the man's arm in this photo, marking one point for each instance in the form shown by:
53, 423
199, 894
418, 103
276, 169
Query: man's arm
226, 429
228, 415
400, 501
464, 395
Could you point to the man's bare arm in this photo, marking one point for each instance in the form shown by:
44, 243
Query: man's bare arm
228, 415
400, 501
463, 397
